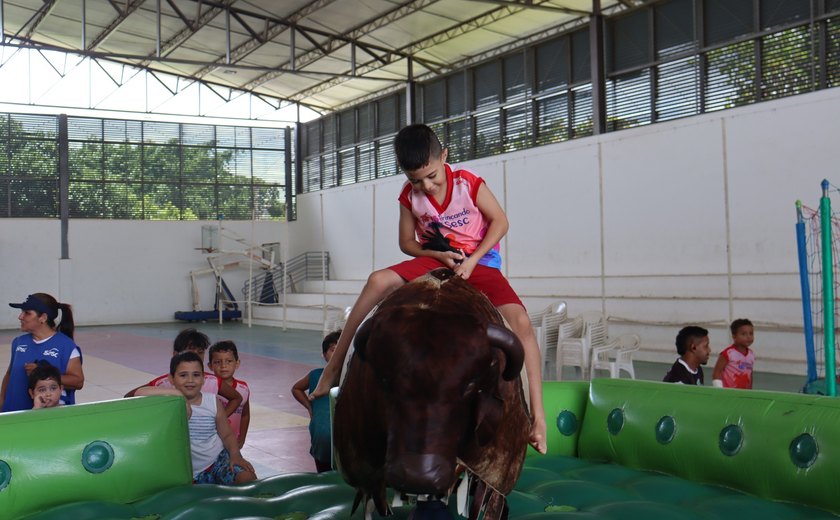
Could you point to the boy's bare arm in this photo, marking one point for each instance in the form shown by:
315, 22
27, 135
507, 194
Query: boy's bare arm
717, 373
156, 390
243, 424
233, 397
299, 392
229, 440
496, 230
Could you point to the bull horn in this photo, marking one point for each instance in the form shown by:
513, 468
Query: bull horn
505, 340
361, 338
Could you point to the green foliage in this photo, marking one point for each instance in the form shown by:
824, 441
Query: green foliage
131, 181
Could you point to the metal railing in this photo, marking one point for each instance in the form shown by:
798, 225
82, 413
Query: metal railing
268, 285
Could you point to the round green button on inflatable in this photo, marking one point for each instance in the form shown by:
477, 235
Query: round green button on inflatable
97, 456
666, 429
803, 451
5, 474
567, 423
730, 440
615, 421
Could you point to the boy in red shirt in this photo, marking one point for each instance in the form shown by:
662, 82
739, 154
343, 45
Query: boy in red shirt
734, 367
460, 206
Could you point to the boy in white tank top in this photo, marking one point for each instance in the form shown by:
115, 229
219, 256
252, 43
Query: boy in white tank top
213, 445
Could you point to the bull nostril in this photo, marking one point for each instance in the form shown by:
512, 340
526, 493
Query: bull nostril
421, 474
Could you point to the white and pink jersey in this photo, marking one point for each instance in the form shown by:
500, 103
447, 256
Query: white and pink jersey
235, 419
739, 368
210, 386
460, 219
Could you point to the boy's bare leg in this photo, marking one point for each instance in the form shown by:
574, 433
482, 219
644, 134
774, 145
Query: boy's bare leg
520, 324
379, 285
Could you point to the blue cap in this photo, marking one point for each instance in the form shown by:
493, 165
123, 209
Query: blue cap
34, 304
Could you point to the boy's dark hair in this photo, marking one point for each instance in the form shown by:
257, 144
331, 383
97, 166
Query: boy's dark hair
686, 335
44, 370
737, 324
415, 145
190, 338
184, 357
224, 346
329, 340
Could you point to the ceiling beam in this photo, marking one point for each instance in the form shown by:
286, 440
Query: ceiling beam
186, 33
411, 49
529, 4
130, 7
40, 15
272, 31
352, 35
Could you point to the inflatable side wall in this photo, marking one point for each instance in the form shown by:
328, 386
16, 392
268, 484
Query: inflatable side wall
118, 451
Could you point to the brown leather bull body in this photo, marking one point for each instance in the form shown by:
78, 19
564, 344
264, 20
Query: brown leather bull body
434, 382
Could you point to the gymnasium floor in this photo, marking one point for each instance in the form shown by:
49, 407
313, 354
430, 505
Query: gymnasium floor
121, 357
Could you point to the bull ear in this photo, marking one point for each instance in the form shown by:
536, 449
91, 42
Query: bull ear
361, 338
505, 340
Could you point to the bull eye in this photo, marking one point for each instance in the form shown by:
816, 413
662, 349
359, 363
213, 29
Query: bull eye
470, 388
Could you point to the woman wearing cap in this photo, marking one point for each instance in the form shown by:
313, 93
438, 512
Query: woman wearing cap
42, 340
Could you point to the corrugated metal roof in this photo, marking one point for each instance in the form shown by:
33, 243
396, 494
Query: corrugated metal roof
323, 53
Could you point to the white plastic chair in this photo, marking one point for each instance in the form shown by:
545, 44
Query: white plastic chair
628, 345
577, 351
569, 352
545, 323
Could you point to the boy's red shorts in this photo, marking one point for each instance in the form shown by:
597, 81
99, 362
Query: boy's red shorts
488, 280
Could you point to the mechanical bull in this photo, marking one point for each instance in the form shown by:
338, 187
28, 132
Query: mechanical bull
433, 389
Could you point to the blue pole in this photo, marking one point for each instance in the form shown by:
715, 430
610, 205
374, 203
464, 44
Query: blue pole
805, 284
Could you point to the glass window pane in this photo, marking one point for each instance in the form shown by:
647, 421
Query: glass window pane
629, 40
552, 118
514, 77
487, 84
433, 100
553, 64
727, 19
674, 22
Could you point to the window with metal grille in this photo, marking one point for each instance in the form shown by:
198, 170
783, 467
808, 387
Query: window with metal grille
488, 84
730, 76
674, 28
628, 100
457, 140
517, 124
347, 166
552, 63
787, 65
386, 160
663, 63
553, 119
28, 166
678, 91
434, 100
455, 94
488, 134
629, 41
513, 66
727, 19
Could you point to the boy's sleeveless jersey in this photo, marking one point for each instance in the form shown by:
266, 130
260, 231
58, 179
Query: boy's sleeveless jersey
211, 383
461, 220
56, 350
205, 443
319, 425
235, 419
739, 368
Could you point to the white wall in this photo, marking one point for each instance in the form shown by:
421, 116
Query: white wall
683, 222
660, 226
118, 271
